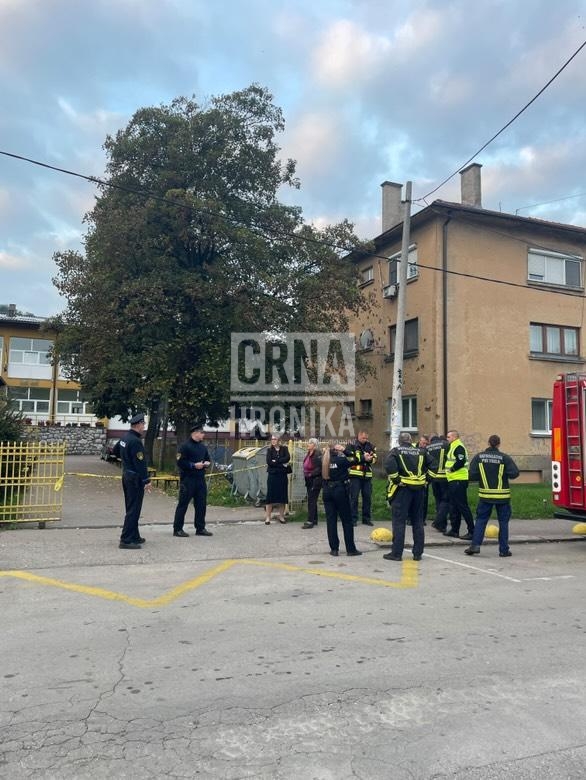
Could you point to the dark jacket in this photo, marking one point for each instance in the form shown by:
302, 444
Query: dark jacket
277, 460
339, 467
190, 453
130, 450
437, 450
493, 469
407, 466
359, 467
316, 463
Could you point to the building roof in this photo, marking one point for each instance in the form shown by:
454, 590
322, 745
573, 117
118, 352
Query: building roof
21, 319
447, 208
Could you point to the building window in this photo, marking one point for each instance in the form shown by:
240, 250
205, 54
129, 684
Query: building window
366, 407
30, 399
350, 408
554, 268
411, 340
366, 340
367, 275
553, 340
30, 352
541, 415
412, 271
72, 402
408, 413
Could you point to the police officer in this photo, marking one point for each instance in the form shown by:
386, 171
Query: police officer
406, 467
362, 456
457, 477
336, 499
437, 450
193, 459
492, 469
135, 480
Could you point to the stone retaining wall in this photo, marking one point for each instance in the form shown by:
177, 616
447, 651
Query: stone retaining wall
79, 441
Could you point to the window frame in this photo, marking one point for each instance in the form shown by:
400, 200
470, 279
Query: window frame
547, 411
563, 354
366, 276
407, 352
552, 258
412, 265
365, 412
29, 354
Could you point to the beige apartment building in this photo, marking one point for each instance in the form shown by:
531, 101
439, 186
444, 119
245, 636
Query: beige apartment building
494, 311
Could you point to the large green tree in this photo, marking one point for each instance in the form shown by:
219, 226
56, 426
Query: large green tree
189, 242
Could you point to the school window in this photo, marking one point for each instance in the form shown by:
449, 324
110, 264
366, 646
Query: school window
554, 268
30, 352
411, 338
541, 415
553, 340
30, 399
367, 275
72, 402
350, 408
366, 407
412, 271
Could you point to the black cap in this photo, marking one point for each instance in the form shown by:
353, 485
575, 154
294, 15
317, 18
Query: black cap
138, 418
197, 427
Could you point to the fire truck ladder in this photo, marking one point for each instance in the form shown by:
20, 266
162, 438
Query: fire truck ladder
573, 443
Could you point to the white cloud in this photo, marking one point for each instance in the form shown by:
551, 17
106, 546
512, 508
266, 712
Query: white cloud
348, 54
13, 262
313, 142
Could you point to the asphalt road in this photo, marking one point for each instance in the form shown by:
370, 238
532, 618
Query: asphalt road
254, 654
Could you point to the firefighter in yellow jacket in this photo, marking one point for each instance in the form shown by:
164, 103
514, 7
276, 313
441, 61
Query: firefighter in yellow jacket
361, 456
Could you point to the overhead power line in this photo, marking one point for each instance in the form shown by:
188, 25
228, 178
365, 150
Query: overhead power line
284, 234
547, 202
509, 123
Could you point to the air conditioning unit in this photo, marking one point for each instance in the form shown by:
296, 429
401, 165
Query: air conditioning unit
390, 291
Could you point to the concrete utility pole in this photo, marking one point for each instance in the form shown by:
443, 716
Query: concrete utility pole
397, 397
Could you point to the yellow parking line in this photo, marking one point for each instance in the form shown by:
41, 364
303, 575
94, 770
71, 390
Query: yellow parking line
408, 579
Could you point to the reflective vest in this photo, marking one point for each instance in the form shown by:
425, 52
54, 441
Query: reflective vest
359, 467
498, 492
407, 467
462, 472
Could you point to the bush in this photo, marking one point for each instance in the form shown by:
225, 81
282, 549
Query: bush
11, 422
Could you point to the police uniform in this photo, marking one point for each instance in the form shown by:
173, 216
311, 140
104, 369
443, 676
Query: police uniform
437, 450
192, 485
337, 503
492, 469
360, 474
406, 467
457, 477
135, 477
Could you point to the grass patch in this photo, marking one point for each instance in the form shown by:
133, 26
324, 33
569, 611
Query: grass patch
529, 502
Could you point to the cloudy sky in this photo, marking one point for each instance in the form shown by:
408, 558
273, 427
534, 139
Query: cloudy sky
371, 90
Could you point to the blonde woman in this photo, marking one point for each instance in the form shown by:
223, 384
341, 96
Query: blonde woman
337, 500
277, 482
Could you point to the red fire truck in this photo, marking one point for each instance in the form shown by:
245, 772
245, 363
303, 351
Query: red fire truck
568, 446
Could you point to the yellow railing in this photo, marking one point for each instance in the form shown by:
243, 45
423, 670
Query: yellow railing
31, 478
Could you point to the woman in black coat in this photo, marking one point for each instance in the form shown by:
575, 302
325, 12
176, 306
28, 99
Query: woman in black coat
277, 479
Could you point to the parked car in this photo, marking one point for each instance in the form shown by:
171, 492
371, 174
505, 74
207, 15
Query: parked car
107, 451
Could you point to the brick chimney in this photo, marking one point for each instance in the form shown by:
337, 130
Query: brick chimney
392, 210
470, 186
12, 310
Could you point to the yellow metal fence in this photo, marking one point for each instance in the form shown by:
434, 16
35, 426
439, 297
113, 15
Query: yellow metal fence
31, 477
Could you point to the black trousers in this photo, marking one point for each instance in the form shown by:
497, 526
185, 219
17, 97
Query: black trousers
406, 506
190, 489
442, 505
133, 488
360, 486
313, 487
458, 498
337, 503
